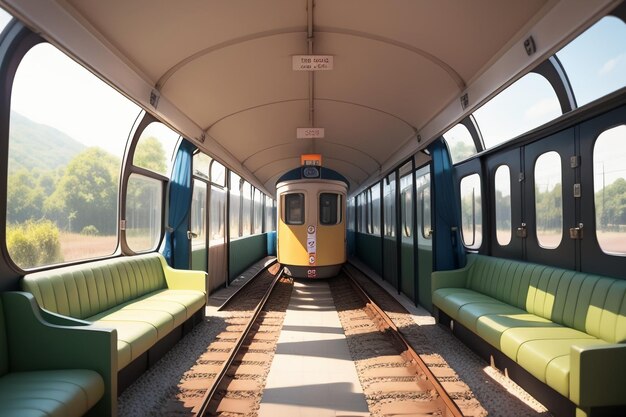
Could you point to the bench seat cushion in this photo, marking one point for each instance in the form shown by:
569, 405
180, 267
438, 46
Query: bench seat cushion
540, 346
142, 322
470, 313
450, 300
514, 338
61, 393
549, 360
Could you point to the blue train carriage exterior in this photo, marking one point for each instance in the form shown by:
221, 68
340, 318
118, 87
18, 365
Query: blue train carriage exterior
311, 241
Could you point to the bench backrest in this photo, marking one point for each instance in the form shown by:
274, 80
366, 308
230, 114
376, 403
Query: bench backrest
590, 303
4, 348
81, 291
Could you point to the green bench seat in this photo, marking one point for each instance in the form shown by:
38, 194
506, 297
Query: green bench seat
47, 370
140, 296
566, 328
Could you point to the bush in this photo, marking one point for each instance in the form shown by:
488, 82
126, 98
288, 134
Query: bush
90, 230
34, 243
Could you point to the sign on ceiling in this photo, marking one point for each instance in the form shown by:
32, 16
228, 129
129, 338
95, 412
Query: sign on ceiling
312, 62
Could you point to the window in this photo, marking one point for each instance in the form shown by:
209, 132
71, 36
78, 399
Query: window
330, 208
218, 173
524, 105
406, 193
294, 208
5, 18
471, 211
361, 202
269, 214
548, 200
67, 136
609, 183
258, 212
375, 208
246, 209
217, 222
201, 163
198, 215
235, 203
595, 61
350, 214
460, 143
155, 148
502, 184
422, 184
143, 212
390, 206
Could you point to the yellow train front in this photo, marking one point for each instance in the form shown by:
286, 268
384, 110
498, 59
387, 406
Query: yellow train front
311, 235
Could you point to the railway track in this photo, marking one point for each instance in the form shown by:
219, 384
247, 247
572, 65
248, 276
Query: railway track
229, 377
394, 377
224, 380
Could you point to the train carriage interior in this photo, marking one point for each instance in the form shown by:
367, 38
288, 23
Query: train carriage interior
469, 157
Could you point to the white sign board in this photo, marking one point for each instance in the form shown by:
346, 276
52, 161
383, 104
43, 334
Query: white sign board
312, 62
310, 132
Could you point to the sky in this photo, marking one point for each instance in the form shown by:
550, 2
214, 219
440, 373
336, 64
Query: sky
69, 98
593, 72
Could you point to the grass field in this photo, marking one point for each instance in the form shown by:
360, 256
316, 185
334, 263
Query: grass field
75, 246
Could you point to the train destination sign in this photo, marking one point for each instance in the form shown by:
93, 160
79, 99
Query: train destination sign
311, 159
312, 62
310, 132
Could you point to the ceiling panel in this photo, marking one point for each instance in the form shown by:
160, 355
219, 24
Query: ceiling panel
384, 77
249, 132
157, 34
237, 78
226, 66
463, 34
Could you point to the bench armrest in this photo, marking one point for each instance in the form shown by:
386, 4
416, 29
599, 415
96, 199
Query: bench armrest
61, 320
597, 374
34, 344
182, 279
455, 278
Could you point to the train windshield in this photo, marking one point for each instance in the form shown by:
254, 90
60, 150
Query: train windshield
330, 208
294, 208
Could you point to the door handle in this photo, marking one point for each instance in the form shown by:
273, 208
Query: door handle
576, 232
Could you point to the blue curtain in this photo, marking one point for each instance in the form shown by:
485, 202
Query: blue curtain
176, 250
449, 251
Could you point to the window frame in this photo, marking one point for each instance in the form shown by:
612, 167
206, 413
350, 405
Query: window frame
338, 209
286, 208
476, 217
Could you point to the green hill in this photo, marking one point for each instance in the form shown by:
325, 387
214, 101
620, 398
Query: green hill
37, 146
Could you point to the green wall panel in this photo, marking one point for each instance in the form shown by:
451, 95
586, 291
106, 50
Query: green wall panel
245, 251
368, 251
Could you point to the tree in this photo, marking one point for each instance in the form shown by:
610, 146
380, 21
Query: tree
549, 208
149, 154
611, 205
24, 197
86, 193
34, 243
461, 150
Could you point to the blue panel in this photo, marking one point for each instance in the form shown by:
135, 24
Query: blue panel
176, 250
449, 252
271, 243
325, 174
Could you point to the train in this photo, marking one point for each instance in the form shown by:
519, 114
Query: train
311, 232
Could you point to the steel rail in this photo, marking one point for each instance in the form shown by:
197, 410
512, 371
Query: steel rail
245, 284
210, 394
452, 408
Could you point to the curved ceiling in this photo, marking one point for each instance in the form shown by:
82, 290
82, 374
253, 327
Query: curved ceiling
226, 66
